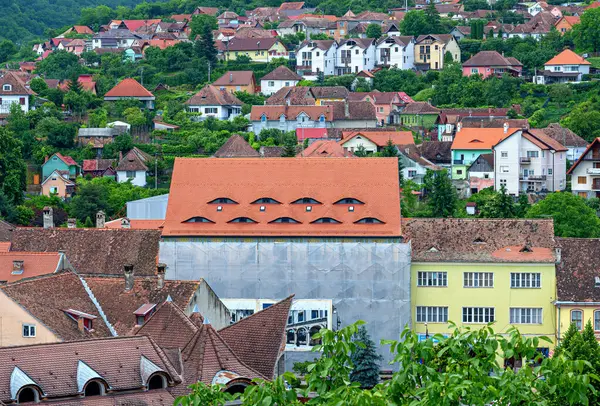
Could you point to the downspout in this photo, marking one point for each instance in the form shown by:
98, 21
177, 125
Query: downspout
558, 325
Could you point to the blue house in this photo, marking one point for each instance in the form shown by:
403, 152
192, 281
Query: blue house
62, 164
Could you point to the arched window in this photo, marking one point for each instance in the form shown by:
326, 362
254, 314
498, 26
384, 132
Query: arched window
263, 118
94, 388
326, 220
322, 118
157, 381
369, 220
291, 337
348, 200
242, 220
306, 200
314, 330
28, 394
302, 337
265, 200
222, 200
288, 220
198, 220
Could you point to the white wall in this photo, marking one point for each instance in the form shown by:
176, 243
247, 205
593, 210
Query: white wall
400, 57
582, 69
268, 87
363, 60
138, 180
7, 100
511, 162
353, 144
322, 60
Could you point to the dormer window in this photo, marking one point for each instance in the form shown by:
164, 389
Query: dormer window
348, 200
288, 220
306, 200
369, 220
478, 240
242, 220
326, 220
322, 118
222, 200
597, 282
84, 320
7, 88
198, 220
265, 200
143, 313
263, 118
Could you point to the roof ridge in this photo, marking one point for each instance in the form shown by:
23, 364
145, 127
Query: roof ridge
39, 277
83, 340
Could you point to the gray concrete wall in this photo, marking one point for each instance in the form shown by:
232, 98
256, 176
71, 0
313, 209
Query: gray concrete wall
210, 306
367, 280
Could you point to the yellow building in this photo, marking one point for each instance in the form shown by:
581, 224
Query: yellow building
257, 49
431, 49
326, 94
578, 284
475, 271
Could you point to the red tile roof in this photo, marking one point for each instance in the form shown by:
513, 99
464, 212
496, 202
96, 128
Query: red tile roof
82, 29
136, 224
242, 180
66, 159
236, 78
128, 88
91, 165
380, 138
480, 138
311, 133
34, 264
168, 318
258, 339
18, 86
325, 149
133, 25
291, 112
292, 5
213, 96
282, 73
236, 147
568, 57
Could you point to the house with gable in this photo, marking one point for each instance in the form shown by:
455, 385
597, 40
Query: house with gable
417, 114
62, 164
211, 101
277, 79
128, 89
431, 49
585, 172
316, 56
325, 149
289, 118
58, 184
395, 52
236, 147
354, 55
480, 173
566, 23
387, 104
574, 143
98, 168
13, 90
374, 141
564, 67
258, 50
491, 63
237, 81
414, 164
133, 167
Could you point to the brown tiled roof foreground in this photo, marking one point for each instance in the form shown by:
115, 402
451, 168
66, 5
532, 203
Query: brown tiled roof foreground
577, 271
236, 147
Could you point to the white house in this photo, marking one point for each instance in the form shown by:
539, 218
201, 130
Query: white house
132, 167
564, 67
114, 38
317, 56
415, 165
585, 173
13, 91
277, 79
528, 161
397, 52
355, 55
214, 102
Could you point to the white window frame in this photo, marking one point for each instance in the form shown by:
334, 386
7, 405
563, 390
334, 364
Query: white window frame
478, 315
478, 279
432, 279
526, 315
504, 169
596, 325
29, 328
578, 323
431, 314
533, 154
503, 154
525, 280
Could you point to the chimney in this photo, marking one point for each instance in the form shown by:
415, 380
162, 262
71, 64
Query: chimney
288, 102
346, 109
160, 272
71, 223
17, 267
458, 127
100, 219
505, 128
80, 324
128, 271
230, 77
48, 217
125, 223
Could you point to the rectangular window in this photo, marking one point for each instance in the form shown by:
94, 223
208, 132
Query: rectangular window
301, 316
412, 173
478, 315
525, 315
533, 154
22, 101
271, 83
478, 280
28, 330
581, 180
432, 279
597, 320
130, 174
210, 110
474, 70
314, 314
432, 314
504, 169
504, 154
525, 280
577, 317
549, 171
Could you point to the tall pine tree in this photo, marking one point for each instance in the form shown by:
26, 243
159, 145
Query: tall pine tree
442, 198
365, 360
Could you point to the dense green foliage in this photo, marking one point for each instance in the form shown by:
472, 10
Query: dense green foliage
366, 360
464, 368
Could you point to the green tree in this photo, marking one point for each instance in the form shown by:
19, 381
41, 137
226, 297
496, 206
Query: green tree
13, 173
432, 16
38, 85
586, 34
89, 200
501, 205
290, 145
374, 31
561, 94
200, 21
20, 125
442, 198
365, 360
7, 50
74, 84
59, 65
414, 23
572, 217
134, 116
98, 118
361, 151
57, 133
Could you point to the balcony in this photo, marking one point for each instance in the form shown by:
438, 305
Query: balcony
306, 64
346, 60
592, 157
532, 178
593, 171
525, 160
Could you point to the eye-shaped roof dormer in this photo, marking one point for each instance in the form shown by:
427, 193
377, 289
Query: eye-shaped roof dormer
222, 200
306, 200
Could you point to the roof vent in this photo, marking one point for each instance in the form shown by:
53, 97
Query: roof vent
350, 208
17, 267
597, 278
433, 249
479, 240
526, 248
308, 208
219, 208
263, 208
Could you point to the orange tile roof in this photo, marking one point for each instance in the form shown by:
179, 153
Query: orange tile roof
34, 264
380, 138
136, 224
480, 138
572, 20
128, 88
567, 57
325, 148
5, 246
374, 182
520, 253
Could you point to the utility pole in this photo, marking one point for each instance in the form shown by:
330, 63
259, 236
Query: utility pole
155, 170
142, 75
208, 71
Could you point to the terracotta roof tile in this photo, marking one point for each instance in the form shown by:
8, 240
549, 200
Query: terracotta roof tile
258, 338
46, 297
34, 264
491, 58
380, 138
136, 224
289, 179
132, 161
128, 88
66, 159
480, 138
490, 122
236, 147
291, 112
325, 149
235, 78
420, 108
577, 270
329, 92
297, 96
92, 165
563, 135
168, 318
119, 304
271, 151
212, 96
292, 5
568, 57
480, 240
5, 246
95, 251
157, 397
412, 152
544, 141
6, 230
282, 73
18, 86
54, 366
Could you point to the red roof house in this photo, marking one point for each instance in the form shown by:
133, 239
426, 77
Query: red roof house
130, 89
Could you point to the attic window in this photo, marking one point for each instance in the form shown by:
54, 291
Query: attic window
433, 249
597, 280
143, 313
306, 200
326, 220
348, 200
7, 88
198, 220
479, 240
288, 220
265, 200
369, 220
242, 220
526, 248
222, 200
84, 320
479, 141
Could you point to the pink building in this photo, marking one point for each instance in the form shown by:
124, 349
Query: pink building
491, 63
